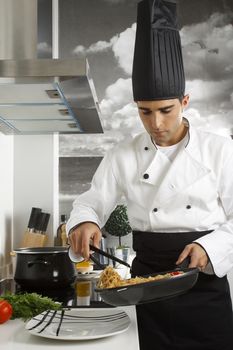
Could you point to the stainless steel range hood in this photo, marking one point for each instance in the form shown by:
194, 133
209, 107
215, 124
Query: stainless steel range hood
48, 95
41, 96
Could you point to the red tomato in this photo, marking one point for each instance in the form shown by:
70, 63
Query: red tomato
176, 273
5, 311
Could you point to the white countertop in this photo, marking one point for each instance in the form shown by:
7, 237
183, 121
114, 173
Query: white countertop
14, 336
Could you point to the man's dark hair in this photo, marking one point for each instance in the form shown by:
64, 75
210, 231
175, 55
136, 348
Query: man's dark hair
180, 98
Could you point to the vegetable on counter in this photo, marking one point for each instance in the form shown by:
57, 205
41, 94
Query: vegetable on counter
5, 311
28, 305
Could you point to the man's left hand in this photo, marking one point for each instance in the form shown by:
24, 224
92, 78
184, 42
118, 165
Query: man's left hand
198, 256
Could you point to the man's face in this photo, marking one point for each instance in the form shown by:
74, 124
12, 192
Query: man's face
163, 120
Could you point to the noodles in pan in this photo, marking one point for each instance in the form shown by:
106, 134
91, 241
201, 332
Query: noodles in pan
110, 278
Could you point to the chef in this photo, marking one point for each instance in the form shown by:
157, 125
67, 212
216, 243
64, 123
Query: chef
178, 185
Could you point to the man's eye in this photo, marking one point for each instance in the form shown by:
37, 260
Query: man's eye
146, 112
166, 111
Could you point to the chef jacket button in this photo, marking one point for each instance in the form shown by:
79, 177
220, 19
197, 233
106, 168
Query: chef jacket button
146, 148
146, 176
155, 210
188, 207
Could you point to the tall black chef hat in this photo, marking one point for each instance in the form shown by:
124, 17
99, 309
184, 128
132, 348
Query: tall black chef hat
158, 72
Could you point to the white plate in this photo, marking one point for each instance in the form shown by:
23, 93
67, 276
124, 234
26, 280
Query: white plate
79, 324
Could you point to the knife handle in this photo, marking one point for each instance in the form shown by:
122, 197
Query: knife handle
42, 222
35, 212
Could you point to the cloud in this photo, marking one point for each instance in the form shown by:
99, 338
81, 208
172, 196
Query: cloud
206, 91
211, 105
125, 120
119, 93
195, 119
122, 46
123, 49
208, 48
212, 123
207, 52
118, 110
99, 46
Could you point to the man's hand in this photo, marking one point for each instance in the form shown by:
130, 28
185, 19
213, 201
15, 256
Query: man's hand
198, 256
80, 237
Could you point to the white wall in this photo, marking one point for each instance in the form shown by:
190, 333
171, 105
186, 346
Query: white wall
35, 181
6, 203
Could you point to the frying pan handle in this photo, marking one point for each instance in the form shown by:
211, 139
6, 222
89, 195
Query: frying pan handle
38, 262
184, 265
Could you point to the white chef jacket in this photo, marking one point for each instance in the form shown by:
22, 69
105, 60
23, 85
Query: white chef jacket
194, 193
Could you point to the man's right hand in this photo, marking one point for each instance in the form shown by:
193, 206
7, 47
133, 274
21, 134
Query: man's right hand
80, 238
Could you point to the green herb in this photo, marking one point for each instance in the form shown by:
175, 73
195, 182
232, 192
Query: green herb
118, 223
28, 305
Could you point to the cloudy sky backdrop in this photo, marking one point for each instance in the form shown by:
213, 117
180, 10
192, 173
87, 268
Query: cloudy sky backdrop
104, 31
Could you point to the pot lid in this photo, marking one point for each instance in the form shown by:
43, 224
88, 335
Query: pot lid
41, 250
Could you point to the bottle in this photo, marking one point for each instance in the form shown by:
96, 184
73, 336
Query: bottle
83, 291
61, 238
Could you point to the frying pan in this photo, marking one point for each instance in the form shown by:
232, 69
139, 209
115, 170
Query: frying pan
147, 292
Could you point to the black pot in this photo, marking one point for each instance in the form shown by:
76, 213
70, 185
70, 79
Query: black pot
46, 267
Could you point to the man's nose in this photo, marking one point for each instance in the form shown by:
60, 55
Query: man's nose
156, 120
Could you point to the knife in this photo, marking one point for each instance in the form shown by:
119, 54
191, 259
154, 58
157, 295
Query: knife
42, 223
35, 213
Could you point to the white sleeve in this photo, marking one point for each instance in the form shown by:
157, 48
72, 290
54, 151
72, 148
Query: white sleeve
98, 202
219, 243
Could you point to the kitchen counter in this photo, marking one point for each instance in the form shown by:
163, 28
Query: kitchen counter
14, 336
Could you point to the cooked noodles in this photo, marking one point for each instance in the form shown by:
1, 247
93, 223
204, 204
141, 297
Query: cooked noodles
110, 278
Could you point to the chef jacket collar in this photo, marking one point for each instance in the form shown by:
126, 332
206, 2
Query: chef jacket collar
166, 185
186, 123
192, 147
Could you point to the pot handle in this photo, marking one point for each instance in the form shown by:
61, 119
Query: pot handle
39, 262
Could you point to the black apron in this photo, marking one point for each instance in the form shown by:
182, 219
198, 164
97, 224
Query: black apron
200, 319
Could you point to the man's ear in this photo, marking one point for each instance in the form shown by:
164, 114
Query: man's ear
185, 101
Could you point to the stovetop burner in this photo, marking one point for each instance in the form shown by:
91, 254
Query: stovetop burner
79, 294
